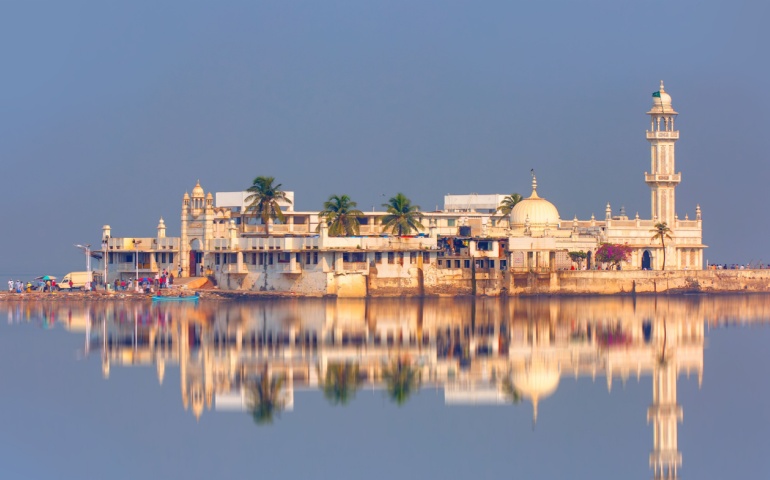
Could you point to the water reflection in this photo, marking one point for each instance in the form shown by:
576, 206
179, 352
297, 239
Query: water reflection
253, 356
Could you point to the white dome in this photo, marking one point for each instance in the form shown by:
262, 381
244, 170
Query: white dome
537, 381
661, 101
535, 210
197, 192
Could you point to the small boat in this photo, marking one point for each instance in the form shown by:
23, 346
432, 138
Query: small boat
176, 298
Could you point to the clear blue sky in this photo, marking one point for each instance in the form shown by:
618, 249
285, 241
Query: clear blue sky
112, 110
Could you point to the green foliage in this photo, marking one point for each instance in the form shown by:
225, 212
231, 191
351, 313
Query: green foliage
578, 257
662, 232
263, 200
613, 253
401, 379
264, 398
402, 218
341, 215
341, 382
506, 206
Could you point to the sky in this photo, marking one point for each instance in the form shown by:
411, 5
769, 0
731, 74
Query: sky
112, 110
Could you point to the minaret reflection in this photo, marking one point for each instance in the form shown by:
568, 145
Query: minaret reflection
253, 356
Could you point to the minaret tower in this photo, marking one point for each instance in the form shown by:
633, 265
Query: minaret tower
665, 413
662, 178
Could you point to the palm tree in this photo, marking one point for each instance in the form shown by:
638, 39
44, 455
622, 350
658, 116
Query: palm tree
403, 218
401, 379
512, 394
341, 382
263, 200
662, 232
264, 397
341, 215
506, 206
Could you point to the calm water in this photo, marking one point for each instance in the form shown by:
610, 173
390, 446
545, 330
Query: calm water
566, 388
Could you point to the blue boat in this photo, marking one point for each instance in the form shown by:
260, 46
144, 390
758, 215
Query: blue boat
176, 298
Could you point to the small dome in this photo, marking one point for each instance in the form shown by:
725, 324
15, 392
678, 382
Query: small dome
661, 101
535, 210
161, 223
209, 196
198, 190
186, 196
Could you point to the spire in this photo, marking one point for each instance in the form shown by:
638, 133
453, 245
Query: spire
534, 184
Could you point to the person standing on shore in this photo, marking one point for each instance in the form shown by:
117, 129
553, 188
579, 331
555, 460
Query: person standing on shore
10, 285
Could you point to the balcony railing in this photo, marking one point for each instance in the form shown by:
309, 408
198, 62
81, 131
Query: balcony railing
355, 266
674, 135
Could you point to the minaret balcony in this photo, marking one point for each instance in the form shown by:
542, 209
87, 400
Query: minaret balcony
668, 135
652, 178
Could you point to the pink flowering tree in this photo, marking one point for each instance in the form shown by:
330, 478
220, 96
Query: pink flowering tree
613, 254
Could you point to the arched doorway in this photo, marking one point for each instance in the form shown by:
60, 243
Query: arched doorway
646, 260
589, 255
196, 257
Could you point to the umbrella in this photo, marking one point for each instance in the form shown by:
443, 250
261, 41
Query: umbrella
45, 278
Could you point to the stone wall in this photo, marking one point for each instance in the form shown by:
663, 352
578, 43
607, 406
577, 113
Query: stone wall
412, 281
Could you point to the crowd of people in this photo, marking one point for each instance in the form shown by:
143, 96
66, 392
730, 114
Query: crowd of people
164, 279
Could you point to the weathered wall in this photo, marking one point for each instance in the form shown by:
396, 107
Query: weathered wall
410, 280
612, 282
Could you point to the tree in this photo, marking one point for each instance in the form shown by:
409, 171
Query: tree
263, 200
341, 383
578, 257
264, 397
506, 206
401, 379
341, 215
613, 254
402, 218
662, 232
511, 393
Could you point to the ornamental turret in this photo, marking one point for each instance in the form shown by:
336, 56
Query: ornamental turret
662, 177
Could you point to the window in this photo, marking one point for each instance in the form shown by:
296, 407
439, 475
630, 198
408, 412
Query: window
491, 264
307, 258
503, 264
315, 258
253, 258
457, 263
391, 258
129, 258
282, 257
484, 246
170, 258
467, 263
112, 258
440, 262
270, 258
378, 257
412, 257
450, 222
217, 259
426, 257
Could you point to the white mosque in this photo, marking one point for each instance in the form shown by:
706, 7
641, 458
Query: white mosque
468, 237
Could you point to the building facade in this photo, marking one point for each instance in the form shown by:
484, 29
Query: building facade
465, 246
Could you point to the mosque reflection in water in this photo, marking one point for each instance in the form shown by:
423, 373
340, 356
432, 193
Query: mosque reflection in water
253, 356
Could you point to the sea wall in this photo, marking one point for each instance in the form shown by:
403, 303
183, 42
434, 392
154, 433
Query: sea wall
641, 282
417, 281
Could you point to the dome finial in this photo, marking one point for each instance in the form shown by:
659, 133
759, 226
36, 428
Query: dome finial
661, 86
534, 180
